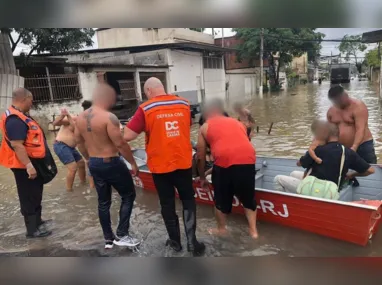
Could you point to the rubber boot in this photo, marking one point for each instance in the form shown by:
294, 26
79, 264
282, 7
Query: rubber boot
40, 221
33, 230
173, 231
189, 217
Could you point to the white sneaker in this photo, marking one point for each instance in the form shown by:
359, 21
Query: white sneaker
109, 244
126, 241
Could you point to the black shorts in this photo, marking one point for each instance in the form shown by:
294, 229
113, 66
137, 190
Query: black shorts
236, 180
367, 152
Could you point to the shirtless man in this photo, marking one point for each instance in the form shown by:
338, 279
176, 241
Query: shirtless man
98, 131
65, 149
351, 116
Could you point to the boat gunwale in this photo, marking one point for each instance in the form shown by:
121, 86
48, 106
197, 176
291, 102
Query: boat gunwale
351, 204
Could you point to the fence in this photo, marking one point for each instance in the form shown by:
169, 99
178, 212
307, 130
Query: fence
54, 88
146, 75
127, 88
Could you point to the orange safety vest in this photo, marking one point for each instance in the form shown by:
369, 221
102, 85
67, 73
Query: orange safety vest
167, 129
34, 143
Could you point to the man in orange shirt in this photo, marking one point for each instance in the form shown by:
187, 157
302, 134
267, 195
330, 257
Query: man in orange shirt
234, 171
166, 120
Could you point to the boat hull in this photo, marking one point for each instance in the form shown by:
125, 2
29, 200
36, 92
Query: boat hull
340, 220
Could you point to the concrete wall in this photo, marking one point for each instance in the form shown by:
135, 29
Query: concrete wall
88, 81
300, 64
8, 83
375, 75
185, 72
241, 85
125, 37
215, 83
43, 113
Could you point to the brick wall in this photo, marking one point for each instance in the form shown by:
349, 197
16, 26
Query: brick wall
230, 59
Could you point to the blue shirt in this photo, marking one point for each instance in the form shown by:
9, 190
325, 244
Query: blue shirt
16, 128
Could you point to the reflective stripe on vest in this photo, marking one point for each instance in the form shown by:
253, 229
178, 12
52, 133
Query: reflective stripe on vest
168, 143
34, 143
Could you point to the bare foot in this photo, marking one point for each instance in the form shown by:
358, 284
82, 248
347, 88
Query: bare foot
69, 190
254, 234
218, 232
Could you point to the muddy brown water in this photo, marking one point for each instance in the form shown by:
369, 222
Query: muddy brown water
77, 231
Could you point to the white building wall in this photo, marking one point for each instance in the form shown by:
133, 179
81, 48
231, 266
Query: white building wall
125, 37
88, 81
185, 72
215, 83
241, 85
8, 83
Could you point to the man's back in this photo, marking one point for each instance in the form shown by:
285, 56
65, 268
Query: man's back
331, 154
229, 142
92, 124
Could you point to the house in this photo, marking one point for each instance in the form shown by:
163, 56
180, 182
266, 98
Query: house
243, 77
127, 57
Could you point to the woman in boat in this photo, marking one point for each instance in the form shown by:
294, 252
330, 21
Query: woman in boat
245, 117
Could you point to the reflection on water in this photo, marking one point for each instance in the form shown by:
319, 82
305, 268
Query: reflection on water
76, 227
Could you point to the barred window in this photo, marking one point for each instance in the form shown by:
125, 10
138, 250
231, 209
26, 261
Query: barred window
212, 62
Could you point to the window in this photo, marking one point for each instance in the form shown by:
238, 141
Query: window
212, 62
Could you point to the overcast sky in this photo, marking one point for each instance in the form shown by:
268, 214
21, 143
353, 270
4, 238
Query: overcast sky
327, 47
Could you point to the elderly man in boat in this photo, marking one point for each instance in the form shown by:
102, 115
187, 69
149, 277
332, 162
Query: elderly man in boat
336, 160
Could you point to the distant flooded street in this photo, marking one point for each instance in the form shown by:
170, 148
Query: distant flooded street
76, 230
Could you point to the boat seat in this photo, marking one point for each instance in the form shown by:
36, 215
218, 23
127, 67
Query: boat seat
346, 194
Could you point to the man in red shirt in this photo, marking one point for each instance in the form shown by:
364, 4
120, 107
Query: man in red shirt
165, 119
234, 171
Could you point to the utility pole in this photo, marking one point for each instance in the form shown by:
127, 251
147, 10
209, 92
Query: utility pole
222, 37
261, 60
213, 32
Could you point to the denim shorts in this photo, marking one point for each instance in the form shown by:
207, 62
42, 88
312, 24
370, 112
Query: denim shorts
65, 153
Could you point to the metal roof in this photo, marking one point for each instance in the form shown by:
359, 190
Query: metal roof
181, 45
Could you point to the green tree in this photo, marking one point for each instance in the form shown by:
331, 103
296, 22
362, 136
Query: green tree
284, 42
51, 40
351, 46
372, 58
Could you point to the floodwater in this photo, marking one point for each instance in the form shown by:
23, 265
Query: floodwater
77, 231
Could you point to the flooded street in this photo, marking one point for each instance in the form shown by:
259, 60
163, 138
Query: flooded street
77, 231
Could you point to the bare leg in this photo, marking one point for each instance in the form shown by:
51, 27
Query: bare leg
251, 217
81, 171
222, 224
91, 182
72, 169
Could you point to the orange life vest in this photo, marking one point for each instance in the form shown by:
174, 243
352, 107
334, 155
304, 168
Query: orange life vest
167, 129
34, 143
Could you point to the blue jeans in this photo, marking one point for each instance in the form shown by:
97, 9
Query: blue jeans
65, 153
367, 152
107, 173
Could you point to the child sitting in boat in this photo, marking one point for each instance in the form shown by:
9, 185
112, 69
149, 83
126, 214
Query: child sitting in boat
318, 130
245, 117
